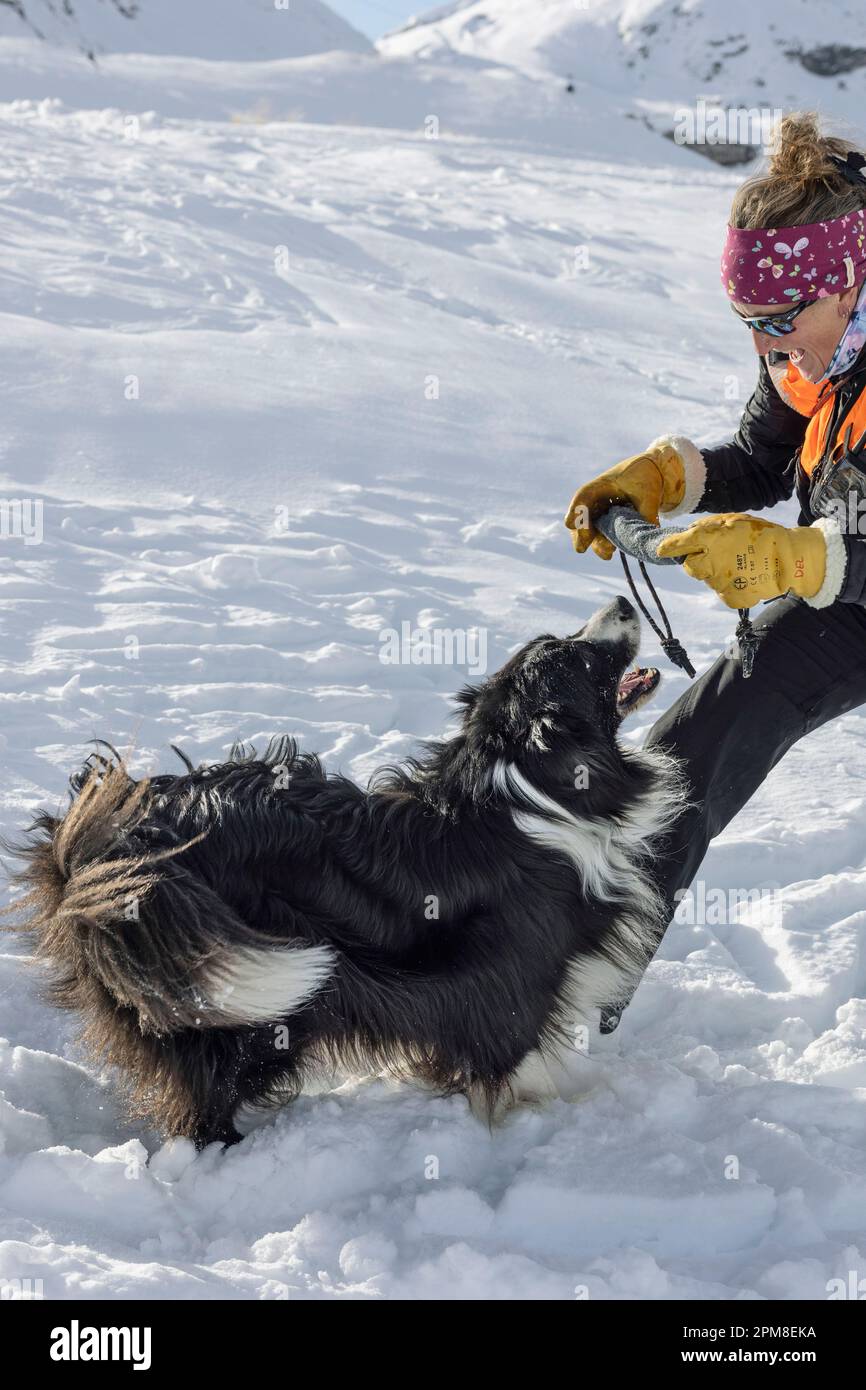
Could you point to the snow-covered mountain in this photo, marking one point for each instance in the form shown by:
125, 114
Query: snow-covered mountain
606, 75
661, 54
647, 44
241, 30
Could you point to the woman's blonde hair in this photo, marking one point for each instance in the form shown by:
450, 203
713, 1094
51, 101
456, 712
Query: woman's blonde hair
801, 183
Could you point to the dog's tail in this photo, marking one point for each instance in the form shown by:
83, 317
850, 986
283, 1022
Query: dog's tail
122, 924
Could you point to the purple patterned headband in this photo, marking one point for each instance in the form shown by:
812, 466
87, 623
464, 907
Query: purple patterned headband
783, 265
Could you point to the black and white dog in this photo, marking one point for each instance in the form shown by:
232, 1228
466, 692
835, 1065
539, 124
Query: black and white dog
224, 931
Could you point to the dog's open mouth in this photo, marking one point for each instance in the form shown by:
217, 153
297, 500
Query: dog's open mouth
636, 686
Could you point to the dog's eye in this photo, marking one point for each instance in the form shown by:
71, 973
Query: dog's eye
591, 660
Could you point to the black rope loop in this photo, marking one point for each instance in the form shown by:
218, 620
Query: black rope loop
670, 645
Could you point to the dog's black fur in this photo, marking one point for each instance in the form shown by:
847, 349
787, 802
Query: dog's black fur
462, 931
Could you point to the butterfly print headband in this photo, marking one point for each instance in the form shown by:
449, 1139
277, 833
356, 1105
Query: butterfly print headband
784, 265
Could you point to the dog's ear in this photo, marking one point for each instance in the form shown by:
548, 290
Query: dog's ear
466, 698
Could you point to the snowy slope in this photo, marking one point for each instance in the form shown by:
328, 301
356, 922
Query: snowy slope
358, 89
243, 30
669, 52
208, 328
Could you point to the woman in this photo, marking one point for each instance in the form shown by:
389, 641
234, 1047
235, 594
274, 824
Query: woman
794, 269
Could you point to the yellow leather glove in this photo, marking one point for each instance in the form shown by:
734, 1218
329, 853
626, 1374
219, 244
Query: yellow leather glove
647, 482
747, 560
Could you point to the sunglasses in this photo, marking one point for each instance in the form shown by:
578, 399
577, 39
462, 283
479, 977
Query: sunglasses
776, 325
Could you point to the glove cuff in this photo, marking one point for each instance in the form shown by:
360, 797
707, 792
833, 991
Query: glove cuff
694, 468
835, 565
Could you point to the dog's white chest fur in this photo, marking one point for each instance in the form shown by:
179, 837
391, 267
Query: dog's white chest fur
609, 858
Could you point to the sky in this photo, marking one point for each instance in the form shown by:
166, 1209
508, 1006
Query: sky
376, 17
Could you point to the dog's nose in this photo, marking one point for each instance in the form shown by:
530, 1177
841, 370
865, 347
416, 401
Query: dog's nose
613, 625
621, 608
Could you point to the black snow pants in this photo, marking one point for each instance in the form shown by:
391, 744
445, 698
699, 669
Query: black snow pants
729, 732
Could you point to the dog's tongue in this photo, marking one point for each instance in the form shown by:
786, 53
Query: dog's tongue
633, 680
635, 684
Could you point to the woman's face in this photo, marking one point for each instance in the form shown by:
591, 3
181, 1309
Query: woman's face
815, 335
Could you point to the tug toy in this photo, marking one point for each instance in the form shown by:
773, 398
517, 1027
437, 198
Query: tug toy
626, 529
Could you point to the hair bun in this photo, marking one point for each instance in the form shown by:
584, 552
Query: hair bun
800, 153
810, 176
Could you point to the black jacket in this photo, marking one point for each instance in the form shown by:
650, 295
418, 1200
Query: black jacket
761, 467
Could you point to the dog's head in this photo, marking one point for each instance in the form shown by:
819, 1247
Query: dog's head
559, 696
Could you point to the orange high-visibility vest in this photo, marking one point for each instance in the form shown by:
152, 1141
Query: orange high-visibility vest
817, 401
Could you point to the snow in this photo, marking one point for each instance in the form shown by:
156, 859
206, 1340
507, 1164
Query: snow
659, 55
242, 30
279, 385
